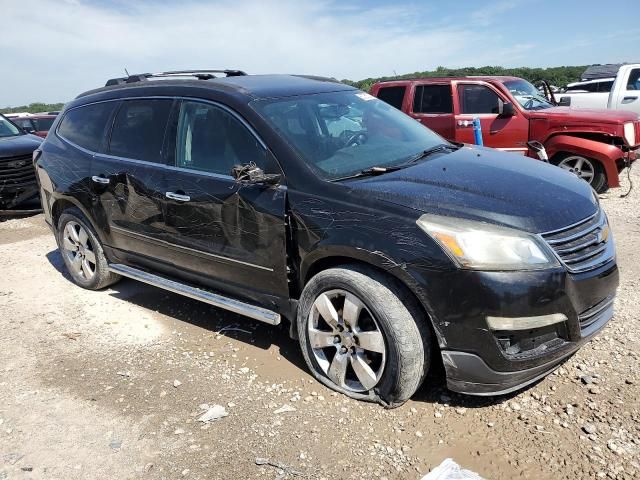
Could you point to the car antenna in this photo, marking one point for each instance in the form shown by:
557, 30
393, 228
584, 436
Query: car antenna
126, 72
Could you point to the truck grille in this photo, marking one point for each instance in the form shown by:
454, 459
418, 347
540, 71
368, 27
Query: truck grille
16, 172
585, 245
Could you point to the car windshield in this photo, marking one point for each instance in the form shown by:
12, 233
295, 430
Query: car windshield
527, 95
340, 134
8, 129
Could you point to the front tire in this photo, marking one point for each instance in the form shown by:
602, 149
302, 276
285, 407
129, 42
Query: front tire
587, 169
82, 252
363, 334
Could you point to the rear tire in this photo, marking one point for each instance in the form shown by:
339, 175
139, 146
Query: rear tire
586, 168
82, 252
363, 334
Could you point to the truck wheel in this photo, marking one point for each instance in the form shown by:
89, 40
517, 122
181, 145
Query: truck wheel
588, 169
363, 335
82, 252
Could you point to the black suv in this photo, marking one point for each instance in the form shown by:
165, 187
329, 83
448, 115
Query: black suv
383, 246
17, 177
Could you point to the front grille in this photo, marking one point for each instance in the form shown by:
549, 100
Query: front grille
583, 246
17, 172
595, 313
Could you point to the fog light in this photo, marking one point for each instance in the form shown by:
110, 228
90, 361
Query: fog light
524, 323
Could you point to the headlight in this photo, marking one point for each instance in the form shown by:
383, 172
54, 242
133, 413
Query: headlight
483, 246
630, 133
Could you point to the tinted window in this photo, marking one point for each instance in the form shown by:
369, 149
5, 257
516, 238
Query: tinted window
392, 95
212, 140
7, 129
433, 99
43, 124
138, 130
477, 99
634, 80
85, 126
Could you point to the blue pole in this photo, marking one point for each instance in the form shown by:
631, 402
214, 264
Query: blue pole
477, 131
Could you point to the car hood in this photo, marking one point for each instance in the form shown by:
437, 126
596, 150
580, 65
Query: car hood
584, 115
486, 185
18, 145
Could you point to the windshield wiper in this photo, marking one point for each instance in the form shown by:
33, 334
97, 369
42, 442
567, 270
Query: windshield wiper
429, 151
371, 171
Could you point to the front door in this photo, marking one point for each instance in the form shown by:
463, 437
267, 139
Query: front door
226, 233
481, 100
129, 179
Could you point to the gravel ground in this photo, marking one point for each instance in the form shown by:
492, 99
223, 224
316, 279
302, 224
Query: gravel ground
111, 384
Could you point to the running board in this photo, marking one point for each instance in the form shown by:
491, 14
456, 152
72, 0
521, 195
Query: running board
251, 311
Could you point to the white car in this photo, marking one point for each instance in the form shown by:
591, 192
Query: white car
621, 92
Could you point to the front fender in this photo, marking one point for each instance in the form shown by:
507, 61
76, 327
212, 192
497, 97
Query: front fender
604, 153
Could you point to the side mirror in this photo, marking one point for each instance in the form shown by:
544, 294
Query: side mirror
252, 174
506, 109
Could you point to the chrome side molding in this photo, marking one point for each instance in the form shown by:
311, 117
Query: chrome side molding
236, 306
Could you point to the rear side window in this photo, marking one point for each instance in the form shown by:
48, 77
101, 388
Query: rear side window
477, 99
85, 126
433, 99
43, 124
138, 129
392, 95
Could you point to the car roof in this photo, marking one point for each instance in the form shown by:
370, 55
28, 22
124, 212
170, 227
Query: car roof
252, 86
482, 78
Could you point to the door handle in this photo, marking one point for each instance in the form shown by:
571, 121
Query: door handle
629, 99
177, 196
465, 123
100, 180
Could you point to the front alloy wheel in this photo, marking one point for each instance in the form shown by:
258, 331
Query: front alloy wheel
346, 341
363, 334
589, 170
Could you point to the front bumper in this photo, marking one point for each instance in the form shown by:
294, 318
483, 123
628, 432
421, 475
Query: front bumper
480, 361
11, 196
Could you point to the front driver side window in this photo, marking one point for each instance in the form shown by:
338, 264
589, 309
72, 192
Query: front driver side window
212, 140
477, 99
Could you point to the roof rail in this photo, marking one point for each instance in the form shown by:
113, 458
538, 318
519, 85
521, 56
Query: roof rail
199, 74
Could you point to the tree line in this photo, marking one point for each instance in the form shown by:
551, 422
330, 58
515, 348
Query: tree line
37, 107
558, 76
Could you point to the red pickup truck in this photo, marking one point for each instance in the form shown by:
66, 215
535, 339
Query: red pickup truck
594, 144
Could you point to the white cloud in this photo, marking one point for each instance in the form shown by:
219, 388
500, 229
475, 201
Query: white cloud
77, 46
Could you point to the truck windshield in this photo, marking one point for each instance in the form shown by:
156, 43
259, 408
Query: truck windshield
8, 129
527, 95
342, 133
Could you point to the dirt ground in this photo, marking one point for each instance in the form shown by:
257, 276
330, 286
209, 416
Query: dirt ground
110, 385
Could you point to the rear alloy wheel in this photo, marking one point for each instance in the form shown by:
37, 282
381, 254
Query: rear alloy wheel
363, 334
79, 252
82, 252
587, 169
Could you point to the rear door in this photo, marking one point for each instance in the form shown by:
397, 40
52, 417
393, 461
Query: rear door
228, 234
481, 100
433, 107
129, 178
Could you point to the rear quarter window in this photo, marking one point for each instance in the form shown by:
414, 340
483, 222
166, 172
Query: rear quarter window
85, 126
392, 95
433, 99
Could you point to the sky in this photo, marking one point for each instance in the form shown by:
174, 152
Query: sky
52, 50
